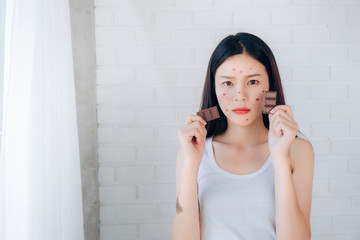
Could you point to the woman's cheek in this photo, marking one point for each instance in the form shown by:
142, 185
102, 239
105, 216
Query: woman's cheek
259, 102
260, 98
225, 101
226, 98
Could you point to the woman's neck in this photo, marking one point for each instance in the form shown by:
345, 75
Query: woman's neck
245, 136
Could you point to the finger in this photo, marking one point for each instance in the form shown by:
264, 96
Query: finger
285, 108
201, 127
192, 118
281, 112
275, 120
284, 118
275, 125
284, 128
196, 130
279, 128
191, 133
201, 120
272, 119
199, 135
278, 122
204, 131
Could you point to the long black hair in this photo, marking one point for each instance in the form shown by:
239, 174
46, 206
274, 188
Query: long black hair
240, 43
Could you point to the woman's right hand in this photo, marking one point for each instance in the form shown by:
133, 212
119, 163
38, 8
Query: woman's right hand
192, 139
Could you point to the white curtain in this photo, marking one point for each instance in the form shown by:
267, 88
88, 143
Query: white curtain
40, 184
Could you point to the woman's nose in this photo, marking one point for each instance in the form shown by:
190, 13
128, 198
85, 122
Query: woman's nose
241, 95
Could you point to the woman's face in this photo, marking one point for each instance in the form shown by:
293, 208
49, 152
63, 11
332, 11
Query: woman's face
240, 82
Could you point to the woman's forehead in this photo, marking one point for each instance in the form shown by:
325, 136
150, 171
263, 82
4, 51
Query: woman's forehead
241, 63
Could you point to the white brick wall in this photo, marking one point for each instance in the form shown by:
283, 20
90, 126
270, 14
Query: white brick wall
151, 62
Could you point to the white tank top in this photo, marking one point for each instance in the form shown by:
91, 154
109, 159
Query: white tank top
234, 206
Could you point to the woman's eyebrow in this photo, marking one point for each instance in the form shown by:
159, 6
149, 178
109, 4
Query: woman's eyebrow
228, 77
253, 75
248, 76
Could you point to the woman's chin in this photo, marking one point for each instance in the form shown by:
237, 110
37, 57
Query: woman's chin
243, 119
240, 122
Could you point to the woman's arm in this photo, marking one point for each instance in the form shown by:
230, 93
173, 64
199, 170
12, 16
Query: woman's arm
293, 192
186, 224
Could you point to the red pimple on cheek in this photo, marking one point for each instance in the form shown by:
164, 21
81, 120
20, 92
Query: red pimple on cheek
233, 69
247, 119
263, 91
224, 94
257, 99
226, 109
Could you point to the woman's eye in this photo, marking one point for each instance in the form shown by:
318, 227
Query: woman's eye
253, 81
227, 83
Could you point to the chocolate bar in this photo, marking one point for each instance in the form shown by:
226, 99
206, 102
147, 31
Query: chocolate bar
269, 101
209, 114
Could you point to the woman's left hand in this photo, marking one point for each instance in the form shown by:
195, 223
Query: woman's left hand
282, 131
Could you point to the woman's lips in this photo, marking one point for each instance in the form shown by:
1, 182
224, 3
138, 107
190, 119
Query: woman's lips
241, 110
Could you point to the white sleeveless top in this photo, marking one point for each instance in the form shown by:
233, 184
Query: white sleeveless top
234, 206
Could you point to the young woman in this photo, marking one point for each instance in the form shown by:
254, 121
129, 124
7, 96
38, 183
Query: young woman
246, 175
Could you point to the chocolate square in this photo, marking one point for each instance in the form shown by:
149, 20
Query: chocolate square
269, 101
209, 114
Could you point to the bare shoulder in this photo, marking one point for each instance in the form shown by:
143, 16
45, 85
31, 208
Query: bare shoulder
301, 153
301, 145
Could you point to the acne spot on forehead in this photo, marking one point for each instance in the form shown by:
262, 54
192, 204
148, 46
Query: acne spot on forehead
240, 71
233, 69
